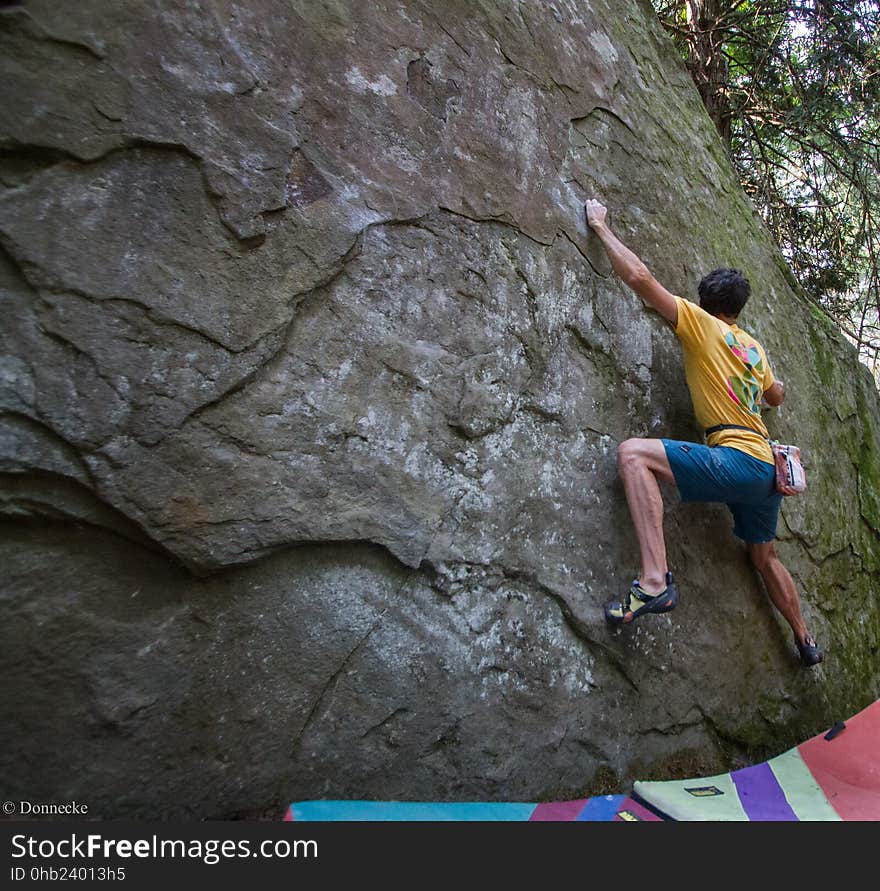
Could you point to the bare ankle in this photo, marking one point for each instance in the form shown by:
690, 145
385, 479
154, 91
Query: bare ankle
653, 584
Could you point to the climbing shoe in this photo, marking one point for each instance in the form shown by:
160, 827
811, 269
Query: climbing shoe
637, 602
809, 651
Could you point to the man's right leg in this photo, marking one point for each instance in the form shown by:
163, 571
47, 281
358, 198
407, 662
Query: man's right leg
642, 462
783, 593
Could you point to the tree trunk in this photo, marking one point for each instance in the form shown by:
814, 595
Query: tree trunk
707, 63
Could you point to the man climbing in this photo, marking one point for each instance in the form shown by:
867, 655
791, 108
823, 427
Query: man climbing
727, 374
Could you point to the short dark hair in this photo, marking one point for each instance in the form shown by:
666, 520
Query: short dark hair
724, 292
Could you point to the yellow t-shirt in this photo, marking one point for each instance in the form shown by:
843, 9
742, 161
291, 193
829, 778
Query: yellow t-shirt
727, 373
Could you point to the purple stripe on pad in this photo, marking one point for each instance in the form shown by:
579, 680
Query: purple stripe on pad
761, 795
601, 809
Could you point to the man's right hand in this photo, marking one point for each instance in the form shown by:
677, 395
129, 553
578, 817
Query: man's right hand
596, 212
775, 394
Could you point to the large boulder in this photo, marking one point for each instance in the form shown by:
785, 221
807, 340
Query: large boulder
312, 381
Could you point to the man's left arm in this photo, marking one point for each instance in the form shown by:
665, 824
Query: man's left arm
629, 267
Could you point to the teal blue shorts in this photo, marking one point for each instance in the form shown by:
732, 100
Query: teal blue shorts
745, 484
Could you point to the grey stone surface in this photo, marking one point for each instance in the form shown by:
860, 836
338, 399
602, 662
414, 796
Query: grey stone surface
312, 382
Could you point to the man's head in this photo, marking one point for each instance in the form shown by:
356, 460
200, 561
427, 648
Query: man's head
724, 292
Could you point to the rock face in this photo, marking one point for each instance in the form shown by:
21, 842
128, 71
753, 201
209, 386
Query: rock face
312, 382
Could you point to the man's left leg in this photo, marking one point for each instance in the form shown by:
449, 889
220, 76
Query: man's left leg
642, 463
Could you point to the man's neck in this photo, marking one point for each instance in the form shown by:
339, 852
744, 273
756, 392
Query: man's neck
730, 320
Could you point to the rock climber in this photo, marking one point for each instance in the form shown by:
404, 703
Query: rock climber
728, 376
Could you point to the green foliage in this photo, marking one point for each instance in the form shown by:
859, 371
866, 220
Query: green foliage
801, 87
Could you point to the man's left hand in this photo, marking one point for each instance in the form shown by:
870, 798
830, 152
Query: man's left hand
596, 212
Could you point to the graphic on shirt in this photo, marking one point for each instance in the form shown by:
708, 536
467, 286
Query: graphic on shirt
745, 390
